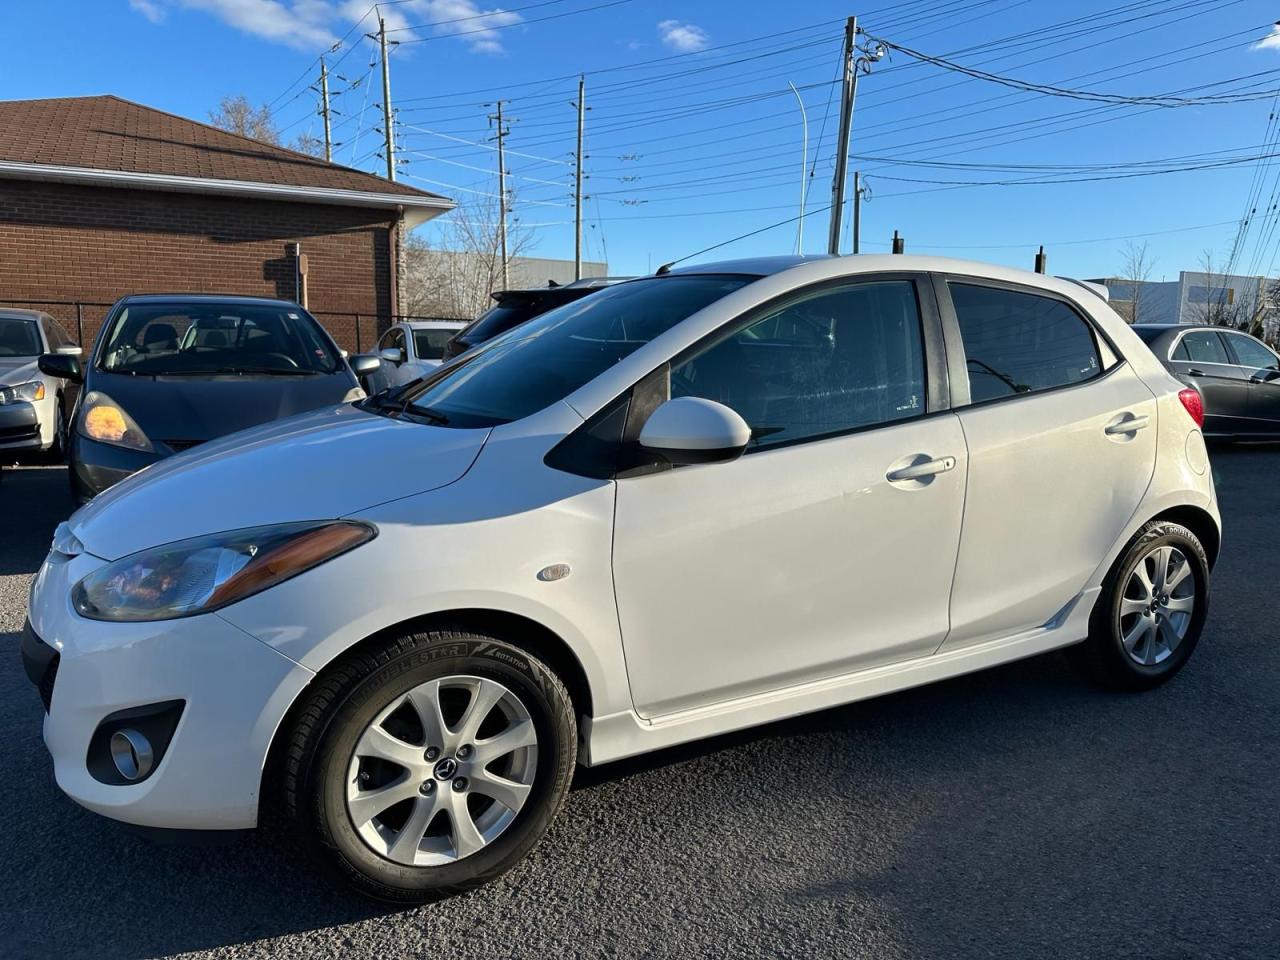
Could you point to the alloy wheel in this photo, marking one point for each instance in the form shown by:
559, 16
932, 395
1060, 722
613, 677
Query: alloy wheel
442, 771
1157, 605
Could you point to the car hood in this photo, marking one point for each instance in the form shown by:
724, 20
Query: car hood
18, 370
316, 466
195, 409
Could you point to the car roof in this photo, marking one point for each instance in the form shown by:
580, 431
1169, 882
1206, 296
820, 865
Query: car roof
15, 313
434, 324
755, 266
209, 298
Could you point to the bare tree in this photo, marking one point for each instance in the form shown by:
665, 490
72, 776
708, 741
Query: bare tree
1138, 266
1221, 304
455, 275
237, 115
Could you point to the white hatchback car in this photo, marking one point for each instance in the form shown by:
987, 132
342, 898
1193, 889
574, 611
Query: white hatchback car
684, 505
413, 348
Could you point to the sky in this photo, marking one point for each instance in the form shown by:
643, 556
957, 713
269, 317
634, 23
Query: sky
695, 137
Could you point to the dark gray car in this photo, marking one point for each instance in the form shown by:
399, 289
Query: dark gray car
1238, 376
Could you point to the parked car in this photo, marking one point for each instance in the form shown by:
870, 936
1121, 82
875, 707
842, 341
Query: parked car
169, 372
33, 405
1237, 375
703, 500
514, 307
413, 348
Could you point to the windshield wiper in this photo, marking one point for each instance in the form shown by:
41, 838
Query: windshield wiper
403, 408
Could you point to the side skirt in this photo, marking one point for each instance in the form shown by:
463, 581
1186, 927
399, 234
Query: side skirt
626, 734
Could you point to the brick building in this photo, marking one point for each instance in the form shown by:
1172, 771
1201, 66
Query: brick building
101, 197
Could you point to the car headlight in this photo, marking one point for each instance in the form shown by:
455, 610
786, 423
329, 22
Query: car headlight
30, 391
102, 419
205, 573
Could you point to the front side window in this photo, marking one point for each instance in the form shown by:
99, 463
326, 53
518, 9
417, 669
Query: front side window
155, 339
19, 338
1018, 342
1251, 353
830, 363
1201, 346
548, 358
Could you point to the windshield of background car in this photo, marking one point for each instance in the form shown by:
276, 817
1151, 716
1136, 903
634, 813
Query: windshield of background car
177, 339
18, 338
429, 344
553, 355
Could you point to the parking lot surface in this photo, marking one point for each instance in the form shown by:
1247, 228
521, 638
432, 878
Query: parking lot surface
1014, 813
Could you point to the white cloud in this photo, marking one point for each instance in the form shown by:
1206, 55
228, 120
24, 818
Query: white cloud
1271, 42
148, 9
685, 37
313, 25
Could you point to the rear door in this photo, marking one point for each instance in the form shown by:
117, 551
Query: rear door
1201, 357
1061, 437
1260, 365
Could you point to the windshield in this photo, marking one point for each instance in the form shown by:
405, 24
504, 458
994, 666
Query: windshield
18, 338
190, 339
550, 357
429, 344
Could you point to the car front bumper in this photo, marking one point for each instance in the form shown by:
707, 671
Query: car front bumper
96, 466
233, 691
19, 427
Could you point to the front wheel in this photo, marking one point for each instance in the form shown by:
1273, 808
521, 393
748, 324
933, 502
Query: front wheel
431, 764
1151, 612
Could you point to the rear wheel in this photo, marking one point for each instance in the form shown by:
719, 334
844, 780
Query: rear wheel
431, 764
1151, 612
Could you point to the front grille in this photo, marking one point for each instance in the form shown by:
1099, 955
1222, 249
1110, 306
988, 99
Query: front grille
24, 432
46, 683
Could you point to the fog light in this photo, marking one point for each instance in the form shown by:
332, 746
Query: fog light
132, 754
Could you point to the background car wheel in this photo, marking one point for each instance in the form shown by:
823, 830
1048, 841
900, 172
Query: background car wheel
1152, 609
58, 452
430, 764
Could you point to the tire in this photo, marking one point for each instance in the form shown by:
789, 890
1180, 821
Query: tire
1132, 650
58, 449
331, 774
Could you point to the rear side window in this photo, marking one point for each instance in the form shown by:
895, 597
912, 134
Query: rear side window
1018, 342
1201, 346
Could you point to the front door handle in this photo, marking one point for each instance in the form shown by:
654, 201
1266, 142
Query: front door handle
1132, 425
922, 470
1194, 372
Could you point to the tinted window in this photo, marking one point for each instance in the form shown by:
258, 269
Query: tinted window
1020, 342
18, 338
833, 362
1251, 353
1202, 346
553, 355
429, 344
192, 339
500, 319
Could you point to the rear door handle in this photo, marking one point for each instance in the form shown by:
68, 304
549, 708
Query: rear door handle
1193, 372
1132, 425
922, 470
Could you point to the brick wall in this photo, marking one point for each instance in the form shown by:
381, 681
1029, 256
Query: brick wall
73, 243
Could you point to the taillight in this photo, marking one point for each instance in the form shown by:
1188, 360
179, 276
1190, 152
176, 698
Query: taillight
1194, 405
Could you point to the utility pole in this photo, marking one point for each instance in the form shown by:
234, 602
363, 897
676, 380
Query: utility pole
848, 91
324, 111
857, 209
502, 193
577, 181
387, 129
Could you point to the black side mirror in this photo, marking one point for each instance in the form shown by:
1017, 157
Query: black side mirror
364, 364
64, 366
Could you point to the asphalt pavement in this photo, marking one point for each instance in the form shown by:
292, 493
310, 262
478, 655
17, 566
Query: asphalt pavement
1015, 813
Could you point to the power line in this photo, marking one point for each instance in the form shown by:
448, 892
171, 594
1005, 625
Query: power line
518, 23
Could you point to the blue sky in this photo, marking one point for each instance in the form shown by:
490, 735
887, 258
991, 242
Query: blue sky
694, 136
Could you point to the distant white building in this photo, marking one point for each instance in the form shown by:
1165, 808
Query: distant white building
443, 283
1199, 297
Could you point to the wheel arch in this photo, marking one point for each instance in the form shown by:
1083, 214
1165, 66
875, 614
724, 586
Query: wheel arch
1200, 522
513, 628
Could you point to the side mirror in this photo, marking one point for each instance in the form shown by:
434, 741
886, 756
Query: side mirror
70, 350
693, 430
363, 364
392, 355
64, 366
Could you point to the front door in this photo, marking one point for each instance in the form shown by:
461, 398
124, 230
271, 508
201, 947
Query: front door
814, 554
1262, 368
